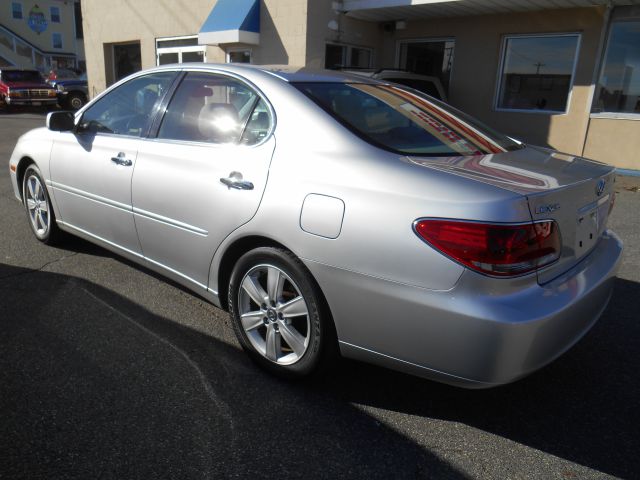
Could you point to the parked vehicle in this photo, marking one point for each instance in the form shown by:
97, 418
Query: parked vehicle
382, 223
19, 86
430, 85
72, 94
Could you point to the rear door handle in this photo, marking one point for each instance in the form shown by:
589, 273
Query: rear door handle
234, 180
122, 160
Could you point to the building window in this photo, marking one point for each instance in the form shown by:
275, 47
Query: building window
126, 60
57, 40
431, 57
619, 86
55, 14
179, 50
239, 56
536, 72
347, 56
77, 17
16, 8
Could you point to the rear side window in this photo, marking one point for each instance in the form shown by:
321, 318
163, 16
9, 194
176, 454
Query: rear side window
404, 121
213, 108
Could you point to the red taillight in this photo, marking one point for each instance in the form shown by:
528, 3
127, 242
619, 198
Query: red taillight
496, 249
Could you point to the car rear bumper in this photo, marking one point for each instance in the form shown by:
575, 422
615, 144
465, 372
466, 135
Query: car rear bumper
483, 332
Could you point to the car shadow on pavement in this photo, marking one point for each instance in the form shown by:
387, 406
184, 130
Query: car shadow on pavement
582, 408
93, 385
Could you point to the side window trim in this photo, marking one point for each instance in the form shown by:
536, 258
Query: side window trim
256, 101
161, 111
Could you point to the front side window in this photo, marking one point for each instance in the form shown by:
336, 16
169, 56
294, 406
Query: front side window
56, 40
215, 109
55, 14
404, 121
537, 72
619, 86
16, 10
129, 108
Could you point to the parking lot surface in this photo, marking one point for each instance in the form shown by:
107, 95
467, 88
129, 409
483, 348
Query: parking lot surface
109, 371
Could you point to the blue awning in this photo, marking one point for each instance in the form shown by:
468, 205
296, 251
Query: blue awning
232, 21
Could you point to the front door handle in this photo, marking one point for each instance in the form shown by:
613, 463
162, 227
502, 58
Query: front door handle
234, 180
121, 160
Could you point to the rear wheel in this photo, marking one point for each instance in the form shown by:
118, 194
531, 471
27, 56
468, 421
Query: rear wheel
38, 206
278, 315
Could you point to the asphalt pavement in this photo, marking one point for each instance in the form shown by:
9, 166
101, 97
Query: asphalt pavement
107, 370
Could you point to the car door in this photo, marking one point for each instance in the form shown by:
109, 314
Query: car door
204, 173
92, 167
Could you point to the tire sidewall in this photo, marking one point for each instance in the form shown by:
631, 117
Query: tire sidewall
289, 264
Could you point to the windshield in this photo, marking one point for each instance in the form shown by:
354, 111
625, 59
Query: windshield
21, 76
405, 121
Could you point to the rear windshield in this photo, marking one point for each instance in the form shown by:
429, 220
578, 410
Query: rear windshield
21, 76
406, 121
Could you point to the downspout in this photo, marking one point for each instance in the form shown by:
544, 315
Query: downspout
596, 70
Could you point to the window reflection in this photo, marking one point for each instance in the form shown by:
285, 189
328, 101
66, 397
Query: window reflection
537, 72
619, 86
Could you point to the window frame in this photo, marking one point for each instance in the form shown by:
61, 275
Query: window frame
13, 11
623, 17
348, 54
152, 134
59, 14
53, 40
179, 50
229, 51
503, 52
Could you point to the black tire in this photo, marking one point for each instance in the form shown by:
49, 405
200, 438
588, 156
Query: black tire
75, 101
319, 334
37, 203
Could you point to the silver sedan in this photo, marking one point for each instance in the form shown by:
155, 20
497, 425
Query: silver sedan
334, 214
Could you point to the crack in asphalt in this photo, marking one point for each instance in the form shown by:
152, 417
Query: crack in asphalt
221, 405
40, 268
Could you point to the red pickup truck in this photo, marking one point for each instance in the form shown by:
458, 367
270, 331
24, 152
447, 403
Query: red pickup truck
20, 86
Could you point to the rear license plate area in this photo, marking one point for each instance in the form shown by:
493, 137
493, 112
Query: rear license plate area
592, 219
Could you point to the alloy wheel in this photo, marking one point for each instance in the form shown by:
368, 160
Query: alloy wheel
37, 206
274, 314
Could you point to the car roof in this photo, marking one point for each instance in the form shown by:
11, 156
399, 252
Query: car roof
287, 73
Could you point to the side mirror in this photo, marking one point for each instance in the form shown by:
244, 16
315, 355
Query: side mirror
60, 121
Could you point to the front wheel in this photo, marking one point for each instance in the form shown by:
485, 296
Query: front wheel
278, 314
75, 101
38, 206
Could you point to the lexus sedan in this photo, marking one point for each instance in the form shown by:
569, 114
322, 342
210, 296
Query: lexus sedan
334, 215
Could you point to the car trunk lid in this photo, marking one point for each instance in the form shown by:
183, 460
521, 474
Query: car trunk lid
573, 191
